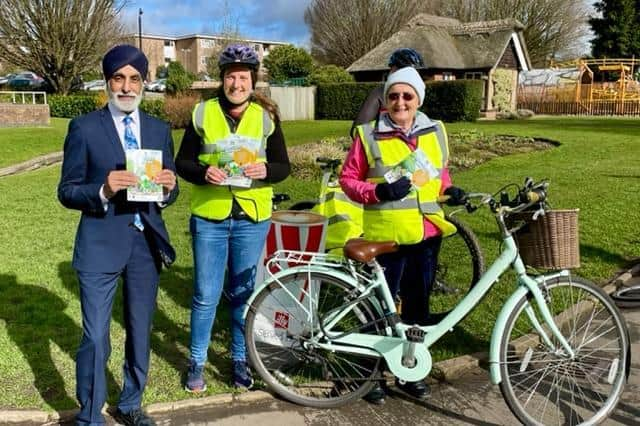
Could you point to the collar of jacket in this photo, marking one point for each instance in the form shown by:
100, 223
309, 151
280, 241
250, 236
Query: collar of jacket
386, 129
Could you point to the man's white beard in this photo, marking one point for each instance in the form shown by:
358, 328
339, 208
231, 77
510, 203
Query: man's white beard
126, 107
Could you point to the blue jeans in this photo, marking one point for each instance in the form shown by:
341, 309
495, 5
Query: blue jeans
230, 244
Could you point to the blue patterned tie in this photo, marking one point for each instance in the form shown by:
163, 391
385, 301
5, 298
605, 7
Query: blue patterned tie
130, 142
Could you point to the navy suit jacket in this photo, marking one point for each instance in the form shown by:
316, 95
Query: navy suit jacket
92, 149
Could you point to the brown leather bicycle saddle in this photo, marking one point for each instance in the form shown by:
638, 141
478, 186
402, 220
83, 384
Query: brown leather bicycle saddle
365, 251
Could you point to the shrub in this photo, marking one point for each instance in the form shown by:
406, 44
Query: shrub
341, 101
178, 80
329, 74
71, 106
178, 109
457, 100
303, 157
153, 107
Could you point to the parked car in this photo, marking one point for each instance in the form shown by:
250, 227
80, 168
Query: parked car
26, 80
159, 85
94, 85
5, 79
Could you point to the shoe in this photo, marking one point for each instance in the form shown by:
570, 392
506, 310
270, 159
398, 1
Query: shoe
195, 378
375, 395
135, 417
242, 375
418, 390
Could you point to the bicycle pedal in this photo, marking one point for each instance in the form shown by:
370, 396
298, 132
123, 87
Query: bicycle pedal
415, 334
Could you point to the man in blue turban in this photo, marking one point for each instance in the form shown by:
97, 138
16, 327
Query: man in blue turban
116, 238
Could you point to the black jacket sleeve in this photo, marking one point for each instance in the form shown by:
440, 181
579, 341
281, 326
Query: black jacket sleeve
278, 166
190, 169
188, 166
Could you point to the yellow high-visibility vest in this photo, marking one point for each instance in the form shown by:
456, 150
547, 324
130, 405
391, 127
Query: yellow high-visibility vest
402, 220
344, 217
215, 201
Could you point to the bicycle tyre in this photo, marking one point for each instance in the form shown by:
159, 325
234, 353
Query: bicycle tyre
292, 366
303, 205
460, 266
627, 297
542, 385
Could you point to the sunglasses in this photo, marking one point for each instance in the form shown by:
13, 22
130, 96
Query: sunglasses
394, 96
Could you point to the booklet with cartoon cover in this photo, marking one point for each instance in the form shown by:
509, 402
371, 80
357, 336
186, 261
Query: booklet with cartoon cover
416, 167
145, 164
235, 153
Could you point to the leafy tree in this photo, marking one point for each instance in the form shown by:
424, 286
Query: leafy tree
617, 32
329, 74
285, 62
178, 79
58, 39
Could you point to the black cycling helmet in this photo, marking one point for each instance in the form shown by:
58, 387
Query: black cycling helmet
405, 57
239, 54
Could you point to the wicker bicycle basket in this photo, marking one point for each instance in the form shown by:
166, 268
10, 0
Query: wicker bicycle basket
551, 241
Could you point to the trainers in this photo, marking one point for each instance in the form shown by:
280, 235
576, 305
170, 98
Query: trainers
242, 375
418, 390
195, 378
376, 395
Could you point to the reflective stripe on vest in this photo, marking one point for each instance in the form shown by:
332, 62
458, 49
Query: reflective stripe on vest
402, 220
214, 201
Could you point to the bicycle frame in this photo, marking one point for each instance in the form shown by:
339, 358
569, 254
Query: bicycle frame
393, 348
406, 357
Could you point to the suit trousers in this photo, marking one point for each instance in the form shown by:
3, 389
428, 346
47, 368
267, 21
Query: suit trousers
140, 278
412, 270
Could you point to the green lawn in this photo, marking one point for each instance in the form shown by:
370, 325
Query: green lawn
594, 169
18, 144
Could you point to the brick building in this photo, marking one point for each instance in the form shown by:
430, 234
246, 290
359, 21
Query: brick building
192, 51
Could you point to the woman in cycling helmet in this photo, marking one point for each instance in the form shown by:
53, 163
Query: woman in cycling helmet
232, 152
400, 58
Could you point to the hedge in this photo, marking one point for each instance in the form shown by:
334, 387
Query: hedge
341, 101
71, 106
457, 100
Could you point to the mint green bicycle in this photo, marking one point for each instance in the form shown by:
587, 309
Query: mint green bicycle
321, 329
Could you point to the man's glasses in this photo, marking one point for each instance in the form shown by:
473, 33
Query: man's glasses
394, 96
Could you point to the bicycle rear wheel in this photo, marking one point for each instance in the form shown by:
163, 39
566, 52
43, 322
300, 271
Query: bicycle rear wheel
460, 266
627, 297
542, 385
281, 338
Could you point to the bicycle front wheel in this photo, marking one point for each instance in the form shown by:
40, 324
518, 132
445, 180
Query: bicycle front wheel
460, 266
282, 332
541, 383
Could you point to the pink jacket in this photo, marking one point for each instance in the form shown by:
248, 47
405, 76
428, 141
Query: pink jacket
354, 184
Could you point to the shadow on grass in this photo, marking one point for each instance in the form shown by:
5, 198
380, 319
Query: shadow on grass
168, 339
589, 251
34, 318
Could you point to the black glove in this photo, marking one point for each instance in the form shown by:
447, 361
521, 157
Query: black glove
393, 191
457, 196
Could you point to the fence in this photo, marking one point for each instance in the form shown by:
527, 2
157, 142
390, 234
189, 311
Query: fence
23, 109
23, 97
295, 103
629, 108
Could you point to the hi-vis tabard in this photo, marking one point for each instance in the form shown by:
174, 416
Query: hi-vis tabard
402, 220
344, 217
215, 201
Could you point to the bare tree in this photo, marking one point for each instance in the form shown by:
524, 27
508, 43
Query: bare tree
344, 30
58, 39
229, 31
553, 28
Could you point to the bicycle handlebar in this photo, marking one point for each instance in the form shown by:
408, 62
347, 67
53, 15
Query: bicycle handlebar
328, 163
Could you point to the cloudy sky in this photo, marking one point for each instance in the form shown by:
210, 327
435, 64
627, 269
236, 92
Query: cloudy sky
275, 20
